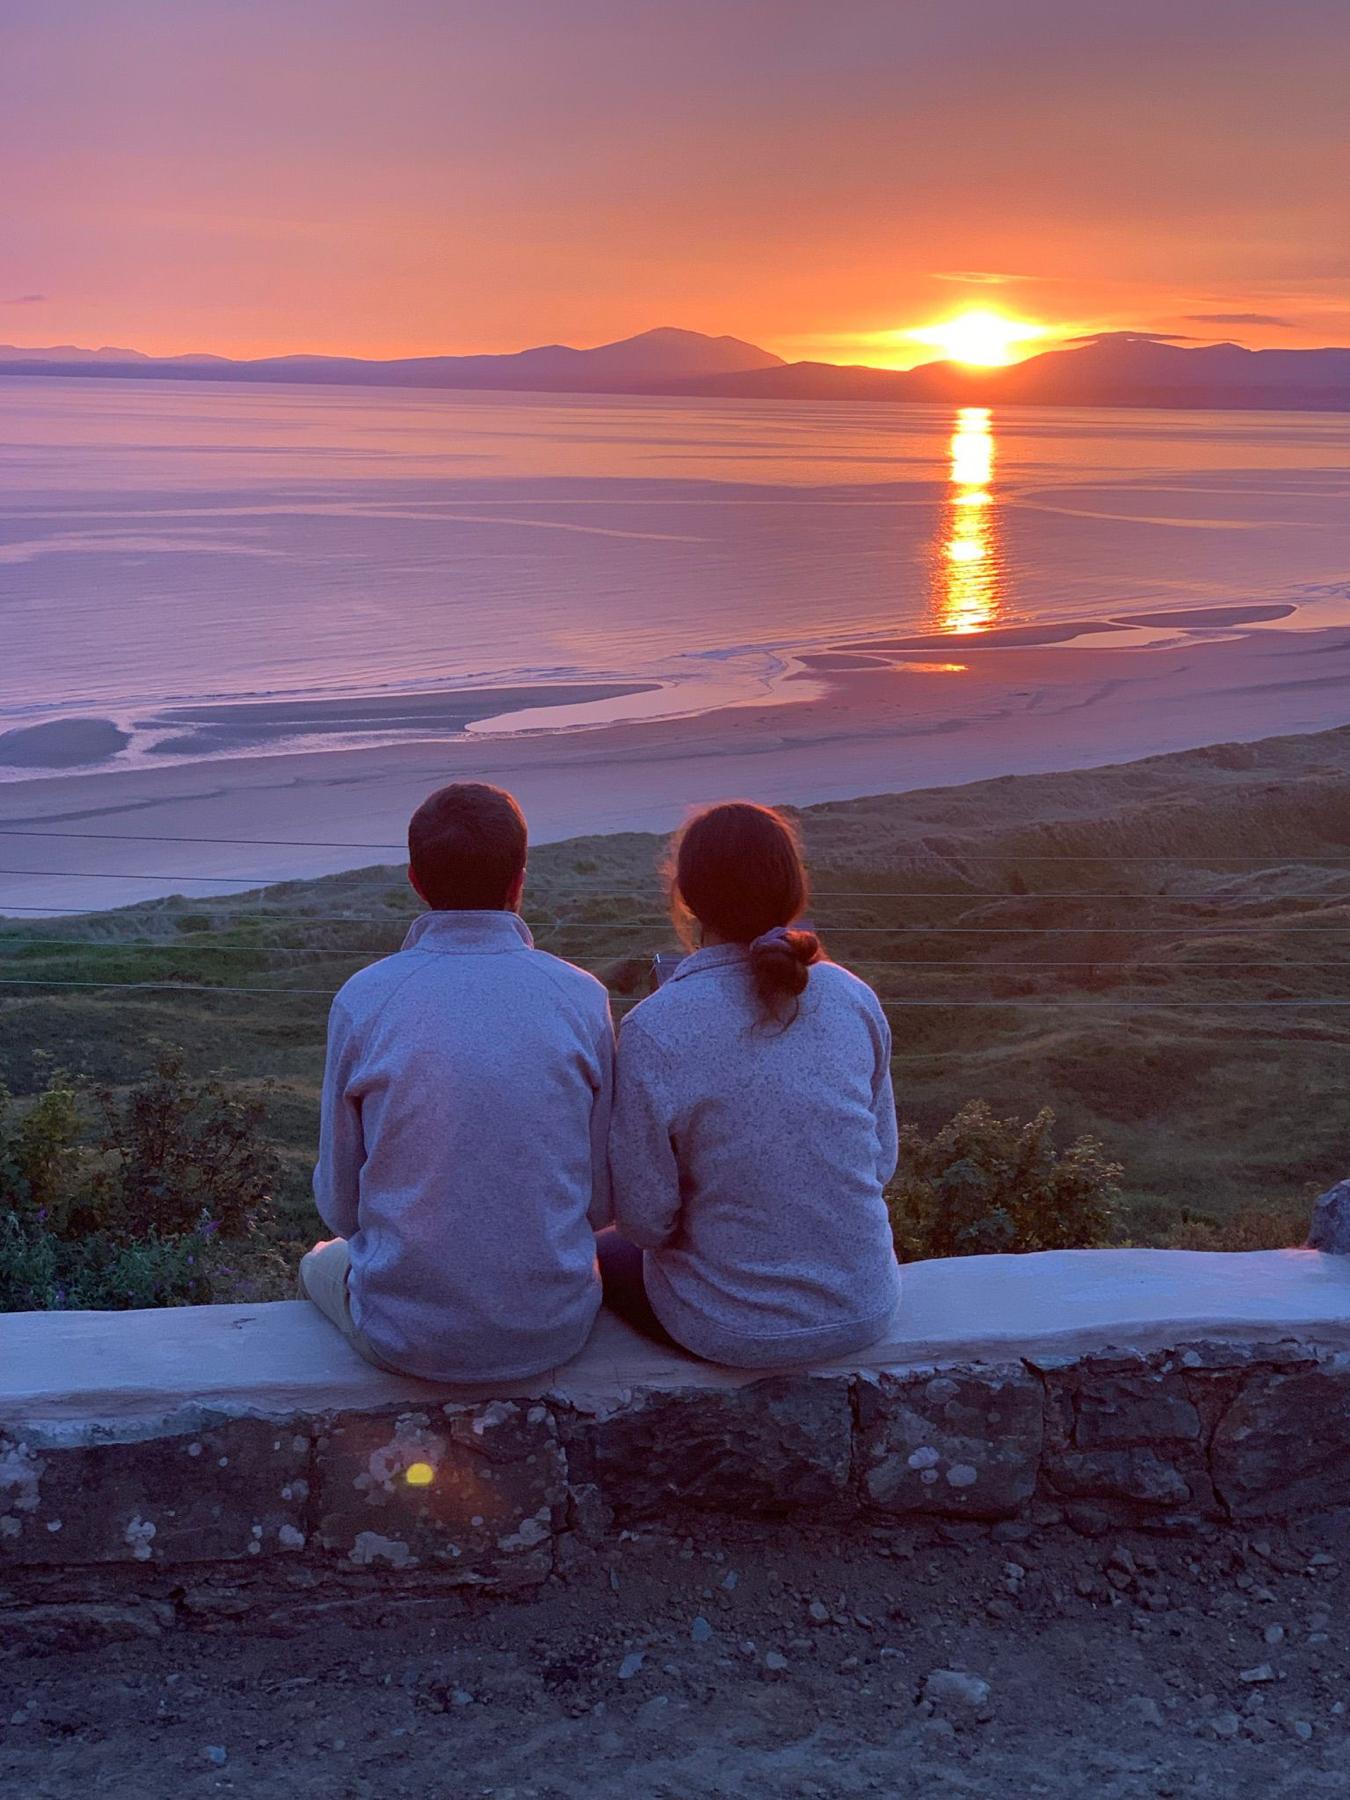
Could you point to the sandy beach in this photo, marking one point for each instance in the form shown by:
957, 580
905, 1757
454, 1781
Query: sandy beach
895, 717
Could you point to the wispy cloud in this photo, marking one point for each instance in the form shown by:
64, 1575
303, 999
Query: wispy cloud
25, 299
981, 277
1241, 319
1135, 337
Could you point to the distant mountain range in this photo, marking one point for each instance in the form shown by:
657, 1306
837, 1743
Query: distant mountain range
1114, 369
645, 363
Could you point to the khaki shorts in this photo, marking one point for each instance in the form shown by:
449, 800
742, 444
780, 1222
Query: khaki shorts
323, 1280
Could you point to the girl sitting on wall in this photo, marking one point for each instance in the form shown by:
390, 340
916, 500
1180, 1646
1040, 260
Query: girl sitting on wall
754, 1126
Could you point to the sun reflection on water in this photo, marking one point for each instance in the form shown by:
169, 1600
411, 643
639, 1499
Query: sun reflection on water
966, 573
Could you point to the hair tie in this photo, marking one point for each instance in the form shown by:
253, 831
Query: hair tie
778, 934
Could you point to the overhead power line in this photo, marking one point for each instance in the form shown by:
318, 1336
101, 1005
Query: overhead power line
183, 987
959, 854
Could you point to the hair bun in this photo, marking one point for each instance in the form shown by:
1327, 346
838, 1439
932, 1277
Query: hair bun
779, 963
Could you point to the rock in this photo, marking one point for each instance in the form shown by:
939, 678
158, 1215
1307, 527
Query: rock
818, 1613
209, 1602
1262, 1672
1273, 1634
1277, 1449
488, 1513
1300, 1728
965, 1441
1330, 1228
701, 1631
1145, 1709
953, 1688
1123, 1429
775, 1662
1087, 1521
631, 1663
778, 1444
223, 1492
217, 1754
1226, 1725
1012, 1531
590, 1517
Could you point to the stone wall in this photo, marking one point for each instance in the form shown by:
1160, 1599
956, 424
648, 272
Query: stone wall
496, 1492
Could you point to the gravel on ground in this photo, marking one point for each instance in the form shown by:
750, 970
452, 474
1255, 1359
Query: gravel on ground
721, 1660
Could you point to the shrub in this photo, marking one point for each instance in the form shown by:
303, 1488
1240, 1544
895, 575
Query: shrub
155, 1197
984, 1184
1255, 1227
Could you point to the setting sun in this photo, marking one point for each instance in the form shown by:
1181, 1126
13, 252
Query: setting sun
985, 339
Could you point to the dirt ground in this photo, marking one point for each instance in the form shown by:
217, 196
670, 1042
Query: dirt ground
733, 1661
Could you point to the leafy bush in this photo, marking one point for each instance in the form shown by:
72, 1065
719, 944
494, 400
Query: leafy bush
158, 1196
984, 1184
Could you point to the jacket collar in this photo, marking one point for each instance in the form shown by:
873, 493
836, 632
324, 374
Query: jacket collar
711, 956
469, 932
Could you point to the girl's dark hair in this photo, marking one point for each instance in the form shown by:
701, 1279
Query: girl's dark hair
737, 869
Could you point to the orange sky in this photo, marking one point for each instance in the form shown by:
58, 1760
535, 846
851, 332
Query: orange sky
404, 178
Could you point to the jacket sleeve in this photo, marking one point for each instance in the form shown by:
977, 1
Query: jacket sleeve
601, 1210
883, 1102
643, 1170
342, 1148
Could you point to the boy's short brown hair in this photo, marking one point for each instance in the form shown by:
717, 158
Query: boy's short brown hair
467, 845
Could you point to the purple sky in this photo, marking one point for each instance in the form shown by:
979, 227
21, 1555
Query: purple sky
256, 176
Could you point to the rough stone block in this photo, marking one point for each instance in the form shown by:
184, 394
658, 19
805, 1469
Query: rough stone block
779, 1445
1330, 1229
960, 1441
1139, 1475
1133, 1409
473, 1491
1126, 1431
1283, 1445
225, 1490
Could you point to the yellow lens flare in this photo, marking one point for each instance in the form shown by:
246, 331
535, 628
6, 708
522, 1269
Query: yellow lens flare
419, 1474
981, 339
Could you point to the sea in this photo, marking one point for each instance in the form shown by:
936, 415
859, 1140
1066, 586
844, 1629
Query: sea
167, 546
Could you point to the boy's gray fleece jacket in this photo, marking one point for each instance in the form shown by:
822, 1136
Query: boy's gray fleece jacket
750, 1160
466, 1104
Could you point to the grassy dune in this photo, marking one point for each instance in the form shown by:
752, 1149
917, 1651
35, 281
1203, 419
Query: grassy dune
1144, 948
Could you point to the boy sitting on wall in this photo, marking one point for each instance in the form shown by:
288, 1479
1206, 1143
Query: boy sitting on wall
466, 1102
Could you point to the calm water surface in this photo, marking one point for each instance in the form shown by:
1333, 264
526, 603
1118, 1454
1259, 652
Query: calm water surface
163, 542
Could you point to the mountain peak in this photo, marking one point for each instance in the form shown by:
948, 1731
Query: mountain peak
669, 350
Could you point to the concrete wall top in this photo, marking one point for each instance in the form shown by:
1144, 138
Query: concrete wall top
283, 1357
